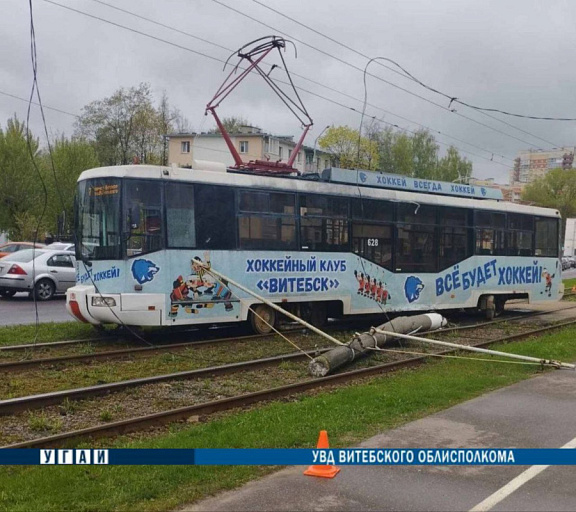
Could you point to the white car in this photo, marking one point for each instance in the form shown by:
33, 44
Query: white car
60, 246
38, 271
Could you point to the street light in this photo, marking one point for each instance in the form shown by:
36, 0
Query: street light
315, 141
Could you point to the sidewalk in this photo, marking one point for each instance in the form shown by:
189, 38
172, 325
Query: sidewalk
536, 413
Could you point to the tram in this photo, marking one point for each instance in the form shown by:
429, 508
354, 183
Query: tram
342, 242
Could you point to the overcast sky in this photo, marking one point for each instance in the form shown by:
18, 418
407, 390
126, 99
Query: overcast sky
515, 55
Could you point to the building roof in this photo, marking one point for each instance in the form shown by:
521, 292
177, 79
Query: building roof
285, 138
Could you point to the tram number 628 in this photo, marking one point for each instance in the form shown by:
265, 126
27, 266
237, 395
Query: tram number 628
372, 242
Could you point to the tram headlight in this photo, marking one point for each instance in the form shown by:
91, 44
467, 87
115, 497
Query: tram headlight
103, 302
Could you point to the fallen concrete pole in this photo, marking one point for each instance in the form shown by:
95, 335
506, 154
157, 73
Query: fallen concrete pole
364, 342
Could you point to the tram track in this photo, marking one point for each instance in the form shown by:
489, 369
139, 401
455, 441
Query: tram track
119, 354
225, 404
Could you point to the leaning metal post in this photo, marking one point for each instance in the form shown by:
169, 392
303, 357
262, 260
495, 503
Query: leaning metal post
550, 362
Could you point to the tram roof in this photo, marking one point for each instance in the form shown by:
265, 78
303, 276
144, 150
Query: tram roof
319, 186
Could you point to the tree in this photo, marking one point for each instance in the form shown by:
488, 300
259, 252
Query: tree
70, 157
413, 155
557, 189
453, 167
342, 143
21, 191
424, 155
232, 124
417, 155
167, 118
126, 126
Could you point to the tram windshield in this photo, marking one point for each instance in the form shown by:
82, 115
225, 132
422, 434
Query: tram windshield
98, 216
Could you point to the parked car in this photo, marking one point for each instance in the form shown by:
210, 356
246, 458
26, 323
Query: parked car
61, 246
12, 247
42, 272
566, 264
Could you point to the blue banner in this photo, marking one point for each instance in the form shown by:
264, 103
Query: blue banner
249, 457
379, 179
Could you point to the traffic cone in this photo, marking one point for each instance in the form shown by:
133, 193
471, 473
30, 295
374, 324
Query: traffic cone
573, 289
324, 471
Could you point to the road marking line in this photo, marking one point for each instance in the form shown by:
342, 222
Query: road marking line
514, 484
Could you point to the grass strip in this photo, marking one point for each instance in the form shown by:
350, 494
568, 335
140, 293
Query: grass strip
48, 332
350, 414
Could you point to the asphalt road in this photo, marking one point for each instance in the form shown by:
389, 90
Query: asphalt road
20, 310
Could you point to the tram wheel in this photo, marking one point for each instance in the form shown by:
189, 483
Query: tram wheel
499, 306
490, 313
316, 313
262, 319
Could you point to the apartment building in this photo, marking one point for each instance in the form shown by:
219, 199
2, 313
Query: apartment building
533, 164
250, 142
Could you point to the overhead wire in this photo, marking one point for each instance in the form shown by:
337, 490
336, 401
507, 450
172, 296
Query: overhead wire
349, 64
27, 100
405, 74
89, 273
298, 87
188, 34
449, 356
35, 90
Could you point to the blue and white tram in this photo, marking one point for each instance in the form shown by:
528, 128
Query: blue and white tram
349, 242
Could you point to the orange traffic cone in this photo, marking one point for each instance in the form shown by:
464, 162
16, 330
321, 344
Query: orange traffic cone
325, 471
573, 289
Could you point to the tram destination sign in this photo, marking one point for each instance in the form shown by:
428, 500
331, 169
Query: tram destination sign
377, 179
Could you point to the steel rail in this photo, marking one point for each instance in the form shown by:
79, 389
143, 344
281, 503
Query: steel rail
25, 403
226, 404
111, 338
142, 351
121, 353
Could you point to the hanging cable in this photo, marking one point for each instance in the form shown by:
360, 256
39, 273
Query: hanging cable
392, 84
403, 74
280, 81
188, 34
34, 90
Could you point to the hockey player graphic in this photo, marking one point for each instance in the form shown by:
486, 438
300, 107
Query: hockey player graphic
360, 278
548, 277
199, 291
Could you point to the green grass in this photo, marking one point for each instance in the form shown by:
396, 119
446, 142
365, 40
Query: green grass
349, 414
40, 422
569, 283
47, 332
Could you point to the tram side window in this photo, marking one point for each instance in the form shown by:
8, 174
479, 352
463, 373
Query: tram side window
143, 214
490, 242
266, 220
372, 230
455, 236
373, 242
490, 233
214, 213
180, 215
546, 237
323, 223
520, 235
98, 219
370, 209
416, 239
